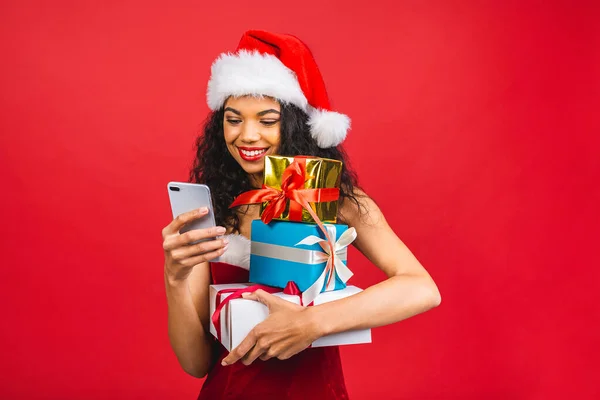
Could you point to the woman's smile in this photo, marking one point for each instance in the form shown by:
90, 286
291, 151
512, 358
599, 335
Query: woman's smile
252, 153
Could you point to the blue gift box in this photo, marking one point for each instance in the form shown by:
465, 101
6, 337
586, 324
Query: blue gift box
275, 258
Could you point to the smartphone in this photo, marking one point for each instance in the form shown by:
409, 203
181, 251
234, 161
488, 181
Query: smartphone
186, 197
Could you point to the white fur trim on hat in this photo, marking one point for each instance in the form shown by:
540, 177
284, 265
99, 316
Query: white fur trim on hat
328, 128
252, 73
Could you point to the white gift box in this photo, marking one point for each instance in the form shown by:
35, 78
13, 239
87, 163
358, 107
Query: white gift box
240, 316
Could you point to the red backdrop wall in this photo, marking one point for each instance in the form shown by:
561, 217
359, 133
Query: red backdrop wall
474, 127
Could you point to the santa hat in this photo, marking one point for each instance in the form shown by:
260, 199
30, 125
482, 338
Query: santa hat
283, 67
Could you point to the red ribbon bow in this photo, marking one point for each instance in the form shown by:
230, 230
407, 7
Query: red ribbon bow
292, 188
236, 293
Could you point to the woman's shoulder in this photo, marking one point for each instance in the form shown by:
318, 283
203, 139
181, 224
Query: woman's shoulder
358, 208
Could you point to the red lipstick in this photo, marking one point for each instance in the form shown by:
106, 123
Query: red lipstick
252, 153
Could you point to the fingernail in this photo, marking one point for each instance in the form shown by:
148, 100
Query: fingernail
220, 230
224, 363
244, 295
225, 241
203, 210
225, 248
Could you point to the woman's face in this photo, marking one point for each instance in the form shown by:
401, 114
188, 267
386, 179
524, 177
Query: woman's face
252, 130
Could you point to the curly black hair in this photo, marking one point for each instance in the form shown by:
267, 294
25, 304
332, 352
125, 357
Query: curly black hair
215, 167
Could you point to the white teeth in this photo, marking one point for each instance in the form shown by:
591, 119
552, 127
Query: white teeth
252, 153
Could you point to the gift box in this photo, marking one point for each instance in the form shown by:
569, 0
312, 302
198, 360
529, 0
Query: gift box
290, 251
239, 316
319, 173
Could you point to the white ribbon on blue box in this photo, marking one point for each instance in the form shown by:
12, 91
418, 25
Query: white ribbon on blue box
284, 251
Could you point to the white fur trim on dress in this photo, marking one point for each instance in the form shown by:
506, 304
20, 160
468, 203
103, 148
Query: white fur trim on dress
328, 128
238, 251
252, 73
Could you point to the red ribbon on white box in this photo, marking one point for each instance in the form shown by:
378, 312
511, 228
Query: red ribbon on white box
236, 293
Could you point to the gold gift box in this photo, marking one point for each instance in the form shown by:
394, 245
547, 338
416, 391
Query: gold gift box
320, 173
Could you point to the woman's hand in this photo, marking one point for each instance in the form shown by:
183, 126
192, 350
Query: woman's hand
289, 329
181, 256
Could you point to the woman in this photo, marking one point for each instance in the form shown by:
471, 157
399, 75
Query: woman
269, 98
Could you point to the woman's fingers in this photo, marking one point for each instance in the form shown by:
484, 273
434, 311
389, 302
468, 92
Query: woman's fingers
182, 219
199, 234
256, 351
192, 261
184, 239
240, 351
181, 253
271, 353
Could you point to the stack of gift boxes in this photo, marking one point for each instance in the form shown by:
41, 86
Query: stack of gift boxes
298, 252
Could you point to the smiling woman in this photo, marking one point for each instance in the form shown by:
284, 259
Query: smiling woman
269, 98
251, 131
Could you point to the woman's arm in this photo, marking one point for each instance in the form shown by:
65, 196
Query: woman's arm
409, 290
187, 279
187, 303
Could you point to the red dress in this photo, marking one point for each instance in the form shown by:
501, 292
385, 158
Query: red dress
314, 373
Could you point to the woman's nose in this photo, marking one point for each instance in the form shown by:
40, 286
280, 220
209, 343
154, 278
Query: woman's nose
250, 133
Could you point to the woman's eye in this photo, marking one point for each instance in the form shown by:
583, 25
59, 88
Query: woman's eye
269, 122
234, 121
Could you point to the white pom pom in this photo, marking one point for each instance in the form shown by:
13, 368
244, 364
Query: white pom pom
328, 128
238, 251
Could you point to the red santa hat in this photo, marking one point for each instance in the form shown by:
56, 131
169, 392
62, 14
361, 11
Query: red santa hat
280, 66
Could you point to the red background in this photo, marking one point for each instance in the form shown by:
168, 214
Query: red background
474, 127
